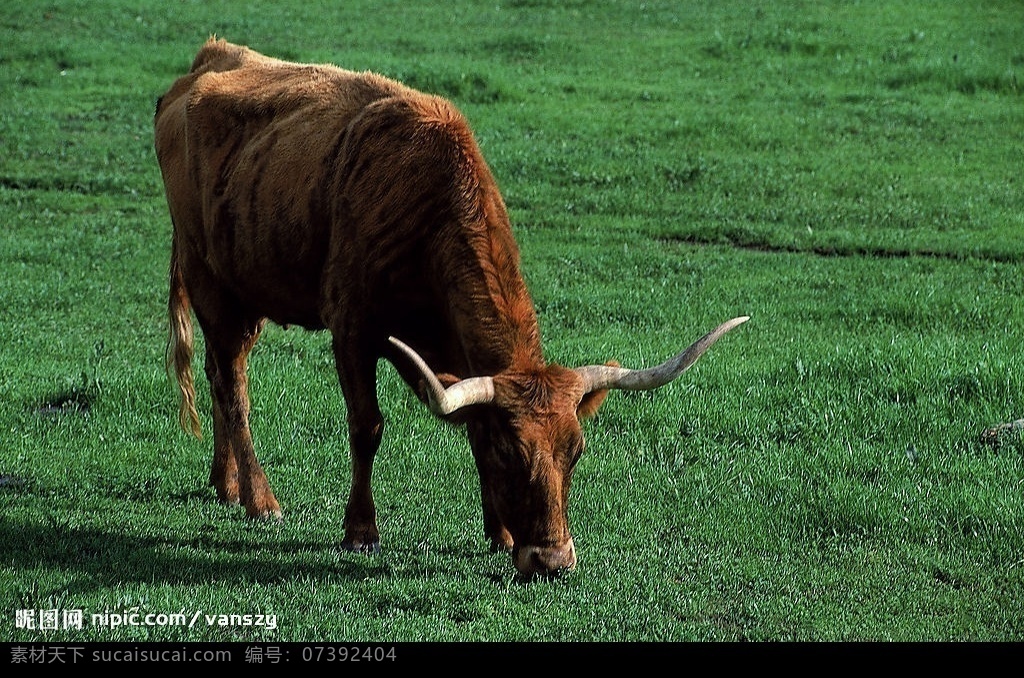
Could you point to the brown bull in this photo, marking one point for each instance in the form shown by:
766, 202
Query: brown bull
319, 197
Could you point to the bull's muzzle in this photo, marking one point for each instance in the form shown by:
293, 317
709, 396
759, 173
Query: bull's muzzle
545, 560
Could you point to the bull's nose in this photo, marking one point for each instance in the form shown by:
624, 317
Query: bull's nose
545, 560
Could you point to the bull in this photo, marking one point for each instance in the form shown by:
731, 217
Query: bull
314, 196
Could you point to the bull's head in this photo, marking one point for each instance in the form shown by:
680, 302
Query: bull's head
526, 440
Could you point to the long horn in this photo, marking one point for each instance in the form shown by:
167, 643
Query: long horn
443, 401
596, 377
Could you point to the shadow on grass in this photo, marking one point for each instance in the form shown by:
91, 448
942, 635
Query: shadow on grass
53, 557
106, 532
97, 557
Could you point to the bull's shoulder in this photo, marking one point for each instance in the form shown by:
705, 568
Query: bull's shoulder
232, 80
221, 55
266, 90
214, 56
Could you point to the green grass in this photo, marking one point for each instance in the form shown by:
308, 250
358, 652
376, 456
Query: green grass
848, 174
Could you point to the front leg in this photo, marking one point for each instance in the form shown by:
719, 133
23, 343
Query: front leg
494, 529
360, 513
366, 428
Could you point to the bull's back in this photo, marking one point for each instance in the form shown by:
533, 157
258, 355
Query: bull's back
245, 143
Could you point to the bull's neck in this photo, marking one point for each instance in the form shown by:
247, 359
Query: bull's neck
492, 313
490, 308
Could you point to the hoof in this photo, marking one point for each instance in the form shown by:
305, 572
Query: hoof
501, 541
267, 515
360, 547
227, 492
498, 546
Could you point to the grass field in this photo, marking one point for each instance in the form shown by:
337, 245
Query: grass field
846, 173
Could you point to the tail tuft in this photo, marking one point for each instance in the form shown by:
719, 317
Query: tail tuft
179, 350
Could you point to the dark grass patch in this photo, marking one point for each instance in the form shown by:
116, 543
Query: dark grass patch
76, 401
463, 87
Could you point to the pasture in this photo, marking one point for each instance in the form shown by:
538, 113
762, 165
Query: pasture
848, 174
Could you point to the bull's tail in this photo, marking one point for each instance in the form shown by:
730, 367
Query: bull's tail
179, 348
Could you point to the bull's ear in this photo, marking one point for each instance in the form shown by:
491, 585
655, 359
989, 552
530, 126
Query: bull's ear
592, 401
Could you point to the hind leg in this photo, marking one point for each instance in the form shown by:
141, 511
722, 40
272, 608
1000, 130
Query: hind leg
224, 470
235, 472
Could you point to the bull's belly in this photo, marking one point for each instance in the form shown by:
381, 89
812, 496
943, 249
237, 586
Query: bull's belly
272, 264
288, 317
285, 296
283, 304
